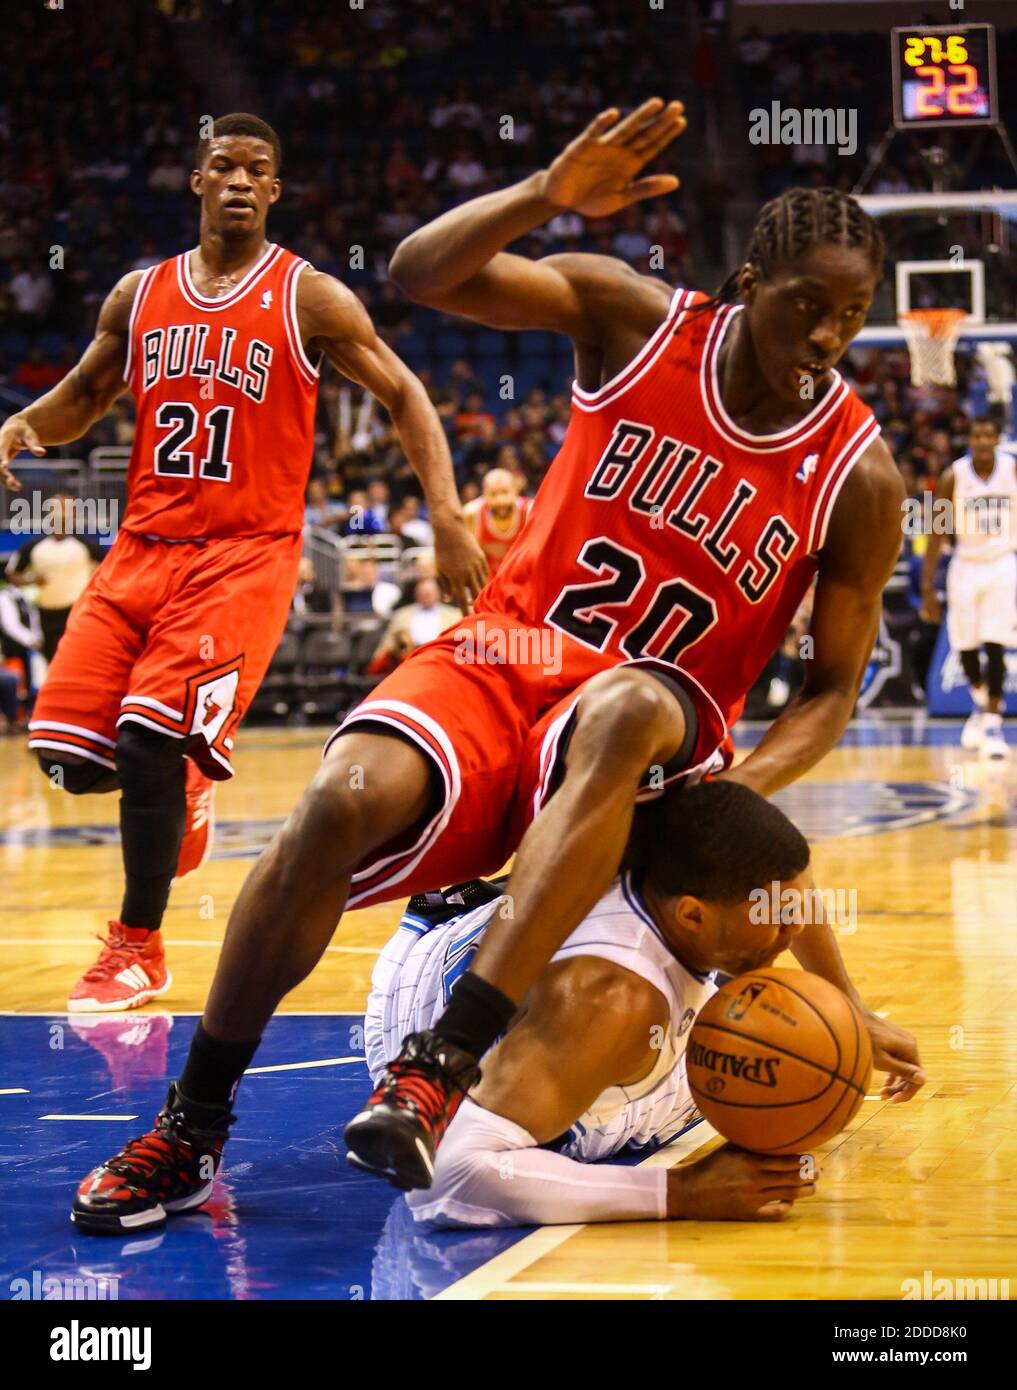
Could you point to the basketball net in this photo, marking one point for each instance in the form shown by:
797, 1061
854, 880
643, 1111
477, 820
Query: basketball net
931, 337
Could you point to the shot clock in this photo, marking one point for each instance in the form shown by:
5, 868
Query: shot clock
944, 75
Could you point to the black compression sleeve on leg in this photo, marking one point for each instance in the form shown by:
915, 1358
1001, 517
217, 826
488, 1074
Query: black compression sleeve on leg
213, 1069
971, 662
996, 669
152, 812
476, 1016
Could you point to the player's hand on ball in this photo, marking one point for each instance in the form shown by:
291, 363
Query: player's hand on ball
731, 1185
895, 1051
596, 173
15, 435
461, 564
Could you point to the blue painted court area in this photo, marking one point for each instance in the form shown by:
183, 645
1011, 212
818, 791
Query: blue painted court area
289, 1218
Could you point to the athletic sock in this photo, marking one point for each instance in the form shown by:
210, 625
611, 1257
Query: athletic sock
213, 1069
476, 1016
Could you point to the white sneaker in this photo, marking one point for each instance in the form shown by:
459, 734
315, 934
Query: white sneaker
971, 734
779, 693
994, 745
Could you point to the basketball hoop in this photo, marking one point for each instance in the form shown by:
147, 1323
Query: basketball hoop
931, 337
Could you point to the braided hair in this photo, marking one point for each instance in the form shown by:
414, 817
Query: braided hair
790, 225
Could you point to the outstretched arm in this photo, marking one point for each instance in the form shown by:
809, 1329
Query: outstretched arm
333, 320
458, 263
85, 393
589, 1025
857, 560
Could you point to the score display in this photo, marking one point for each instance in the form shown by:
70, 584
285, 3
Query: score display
945, 75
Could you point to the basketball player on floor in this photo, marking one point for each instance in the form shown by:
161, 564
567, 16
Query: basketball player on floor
221, 347
715, 461
981, 582
497, 516
593, 1065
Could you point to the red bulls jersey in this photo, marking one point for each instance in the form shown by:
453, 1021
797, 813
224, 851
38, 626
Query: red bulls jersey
225, 404
664, 530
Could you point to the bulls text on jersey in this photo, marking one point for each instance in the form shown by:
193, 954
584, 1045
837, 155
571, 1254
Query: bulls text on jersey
208, 353
707, 509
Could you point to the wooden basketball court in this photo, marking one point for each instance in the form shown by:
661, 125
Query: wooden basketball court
923, 835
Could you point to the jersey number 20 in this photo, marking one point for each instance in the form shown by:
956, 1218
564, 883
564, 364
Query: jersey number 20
575, 610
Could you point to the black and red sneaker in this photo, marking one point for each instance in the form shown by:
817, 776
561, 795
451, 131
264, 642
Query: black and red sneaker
399, 1129
170, 1169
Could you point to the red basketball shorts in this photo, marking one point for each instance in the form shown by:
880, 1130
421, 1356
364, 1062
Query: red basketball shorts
174, 636
491, 703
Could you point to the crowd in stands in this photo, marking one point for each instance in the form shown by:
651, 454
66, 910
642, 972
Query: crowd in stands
377, 138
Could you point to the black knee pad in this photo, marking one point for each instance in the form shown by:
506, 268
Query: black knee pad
77, 778
971, 663
995, 662
148, 763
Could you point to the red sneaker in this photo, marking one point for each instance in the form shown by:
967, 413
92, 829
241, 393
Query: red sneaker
403, 1122
131, 970
199, 830
170, 1169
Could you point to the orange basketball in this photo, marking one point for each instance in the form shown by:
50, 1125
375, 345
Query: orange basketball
779, 1060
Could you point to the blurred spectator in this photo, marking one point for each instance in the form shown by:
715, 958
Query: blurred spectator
35, 374
378, 494
309, 597
32, 291
8, 701
364, 591
413, 526
361, 520
321, 510
410, 627
20, 633
60, 564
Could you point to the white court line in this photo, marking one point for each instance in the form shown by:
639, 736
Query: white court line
300, 1066
88, 1117
13, 1091
496, 1274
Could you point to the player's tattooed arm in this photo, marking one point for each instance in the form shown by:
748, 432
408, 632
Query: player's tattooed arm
333, 321
857, 560
85, 393
932, 609
458, 262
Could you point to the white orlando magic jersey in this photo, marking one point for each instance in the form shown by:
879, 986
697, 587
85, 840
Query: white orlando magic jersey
414, 975
985, 508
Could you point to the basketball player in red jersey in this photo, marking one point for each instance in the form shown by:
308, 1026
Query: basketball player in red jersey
497, 516
221, 347
715, 461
